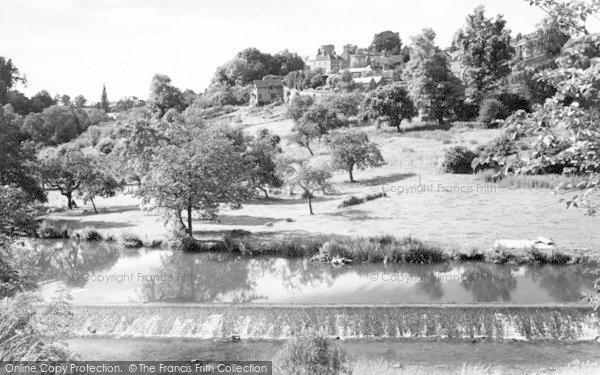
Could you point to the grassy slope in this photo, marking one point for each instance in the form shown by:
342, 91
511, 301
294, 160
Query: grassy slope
472, 215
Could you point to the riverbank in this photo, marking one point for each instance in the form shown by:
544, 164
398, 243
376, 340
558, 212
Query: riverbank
371, 358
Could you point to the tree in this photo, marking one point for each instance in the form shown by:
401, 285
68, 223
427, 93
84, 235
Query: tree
570, 16
260, 156
65, 100
309, 178
17, 157
324, 115
65, 168
288, 62
20, 103
298, 106
352, 148
485, 53
55, 125
164, 96
98, 184
104, 103
198, 171
9, 76
79, 101
433, 87
389, 103
304, 133
387, 41
18, 212
41, 101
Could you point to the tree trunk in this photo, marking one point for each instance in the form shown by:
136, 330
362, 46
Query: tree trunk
264, 191
350, 173
189, 213
69, 196
93, 205
309, 150
310, 203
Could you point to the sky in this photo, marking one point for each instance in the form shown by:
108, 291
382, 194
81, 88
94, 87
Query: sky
75, 46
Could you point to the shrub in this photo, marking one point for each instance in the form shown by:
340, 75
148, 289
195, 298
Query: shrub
491, 109
16, 271
311, 353
106, 145
353, 200
29, 332
51, 231
496, 154
131, 240
458, 160
90, 234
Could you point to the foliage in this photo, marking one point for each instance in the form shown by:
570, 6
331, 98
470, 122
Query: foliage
311, 353
389, 103
324, 116
98, 182
433, 87
458, 159
17, 157
308, 177
353, 200
388, 41
130, 241
65, 168
56, 125
345, 104
485, 52
260, 156
303, 134
198, 169
9, 77
491, 109
222, 94
29, 331
298, 106
164, 96
570, 16
499, 154
41, 101
49, 230
352, 148
15, 267
104, 103
18, 211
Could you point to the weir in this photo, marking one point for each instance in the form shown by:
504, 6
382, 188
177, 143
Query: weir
266, 322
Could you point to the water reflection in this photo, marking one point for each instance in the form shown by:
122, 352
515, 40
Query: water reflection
105, 273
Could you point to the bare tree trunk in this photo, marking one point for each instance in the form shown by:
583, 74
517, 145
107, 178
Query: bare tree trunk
309, 150
310, 203
93, 205
189, 213
69, 196
351, 176
264, 191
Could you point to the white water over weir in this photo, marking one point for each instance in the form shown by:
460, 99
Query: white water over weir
492, 322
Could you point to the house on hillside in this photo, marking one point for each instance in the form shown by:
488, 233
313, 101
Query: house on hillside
266, 91
369, 83
326, 60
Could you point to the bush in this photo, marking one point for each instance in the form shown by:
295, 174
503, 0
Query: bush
90, 234
496, 154
106, 145
16, 271
311, 353
458, 160
131, 240
491, 109
353, 200
51, 231
29, 332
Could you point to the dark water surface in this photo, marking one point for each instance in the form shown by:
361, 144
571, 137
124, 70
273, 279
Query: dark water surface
104, 273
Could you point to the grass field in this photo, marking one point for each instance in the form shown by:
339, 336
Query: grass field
460, 211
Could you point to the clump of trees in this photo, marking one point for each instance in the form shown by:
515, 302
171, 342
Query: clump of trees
432, 86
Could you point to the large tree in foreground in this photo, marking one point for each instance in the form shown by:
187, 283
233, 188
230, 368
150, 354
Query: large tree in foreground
197, 173
352, 149
485, 53
389, 103
431, 84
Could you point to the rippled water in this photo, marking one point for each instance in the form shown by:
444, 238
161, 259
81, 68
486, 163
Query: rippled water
100, 273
